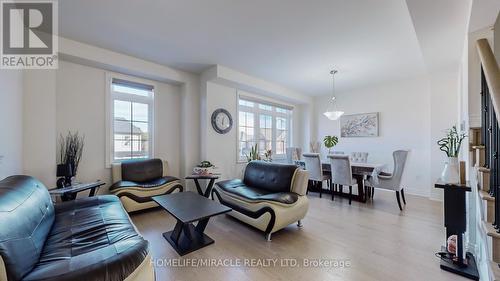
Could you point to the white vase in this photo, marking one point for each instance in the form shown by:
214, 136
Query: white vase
450, 172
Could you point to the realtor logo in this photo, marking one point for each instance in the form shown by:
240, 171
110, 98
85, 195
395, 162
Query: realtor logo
29, 35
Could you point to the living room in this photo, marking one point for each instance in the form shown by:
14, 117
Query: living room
222, 140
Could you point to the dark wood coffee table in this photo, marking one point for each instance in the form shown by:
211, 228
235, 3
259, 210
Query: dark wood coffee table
188, 207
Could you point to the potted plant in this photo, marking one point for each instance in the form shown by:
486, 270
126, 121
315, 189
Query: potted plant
450, 144
204, 168
70, 154
268, 153
254, 153
330, 142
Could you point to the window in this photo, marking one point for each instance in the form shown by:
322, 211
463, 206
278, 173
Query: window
131, 116
265, 124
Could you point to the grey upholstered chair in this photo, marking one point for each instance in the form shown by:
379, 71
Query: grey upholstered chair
293, 154
391, 181
359, 157
315, 169
342, 172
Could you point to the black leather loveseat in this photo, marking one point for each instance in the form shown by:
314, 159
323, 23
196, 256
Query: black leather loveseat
269, 197
86, 239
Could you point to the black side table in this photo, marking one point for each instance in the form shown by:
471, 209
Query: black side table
456, 224
69, 193
210, 185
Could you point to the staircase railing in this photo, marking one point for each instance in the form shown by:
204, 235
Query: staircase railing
490, 131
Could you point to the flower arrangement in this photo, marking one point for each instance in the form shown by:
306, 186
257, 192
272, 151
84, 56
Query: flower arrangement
268, 155
450, 144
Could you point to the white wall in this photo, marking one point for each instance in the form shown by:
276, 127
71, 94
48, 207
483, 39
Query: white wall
221, 149
444, 110
219, 88
80, 75
39, 125
11, 122
80, 106
404, 116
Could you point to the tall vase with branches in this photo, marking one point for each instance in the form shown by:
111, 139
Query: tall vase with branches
70, 154
450, 144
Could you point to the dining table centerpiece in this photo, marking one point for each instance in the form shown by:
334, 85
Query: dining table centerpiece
330, 142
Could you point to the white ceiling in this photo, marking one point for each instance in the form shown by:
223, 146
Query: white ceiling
291, 42
441, 28
483, 14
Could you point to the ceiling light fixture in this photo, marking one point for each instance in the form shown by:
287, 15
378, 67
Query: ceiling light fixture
331, 112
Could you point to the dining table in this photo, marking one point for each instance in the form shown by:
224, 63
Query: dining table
360, 172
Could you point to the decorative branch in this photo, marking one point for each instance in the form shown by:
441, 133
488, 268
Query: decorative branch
450, 144
71, 150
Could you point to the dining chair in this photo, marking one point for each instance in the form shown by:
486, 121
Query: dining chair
313, 166
342, 172
359, 157
362, 157
391, 181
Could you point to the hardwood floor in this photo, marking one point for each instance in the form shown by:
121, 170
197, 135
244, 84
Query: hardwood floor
379, 242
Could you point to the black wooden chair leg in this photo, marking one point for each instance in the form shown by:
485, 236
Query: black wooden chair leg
350, 194
320, 184
373, 192
331, 189
399, 200
403, 196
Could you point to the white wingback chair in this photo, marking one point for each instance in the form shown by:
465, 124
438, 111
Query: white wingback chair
342, 172
391, 181
359, 157
315, 169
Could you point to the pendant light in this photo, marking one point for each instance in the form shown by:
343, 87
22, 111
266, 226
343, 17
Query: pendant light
331, 112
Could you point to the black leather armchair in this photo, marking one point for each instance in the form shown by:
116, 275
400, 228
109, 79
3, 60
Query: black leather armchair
270, 196
135, 182
86, 239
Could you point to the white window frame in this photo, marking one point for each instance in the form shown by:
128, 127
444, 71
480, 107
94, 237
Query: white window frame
257, 112
111, 97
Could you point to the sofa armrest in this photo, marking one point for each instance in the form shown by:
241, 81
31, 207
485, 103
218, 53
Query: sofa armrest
116, 172
165, 168
3, 270
300, 180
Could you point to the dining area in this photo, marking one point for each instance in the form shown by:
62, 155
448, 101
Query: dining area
351, 175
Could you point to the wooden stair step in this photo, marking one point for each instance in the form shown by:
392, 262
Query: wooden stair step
479, 156
490, 230
495, 269
490, 205
484, 178
483, 170
495, 240
486, 196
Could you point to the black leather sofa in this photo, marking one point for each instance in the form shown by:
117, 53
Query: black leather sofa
270, 196
135, 182
86, 239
